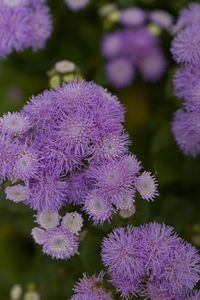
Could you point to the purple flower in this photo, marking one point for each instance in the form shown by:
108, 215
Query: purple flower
188, 16
112, 44
146, 185
98, 208
186, 130
60, 243
29, 25
70, 148
185, 78
185, 46
120, 72
133, 16
77, 4
194, 295
150, 261
91, 288
17, 193
153, 66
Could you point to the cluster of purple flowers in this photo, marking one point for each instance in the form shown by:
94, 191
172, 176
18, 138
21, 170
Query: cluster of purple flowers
23, 24
186, 51
135, 46
151, 261
77, 4
68, 146
91, 288
58, 236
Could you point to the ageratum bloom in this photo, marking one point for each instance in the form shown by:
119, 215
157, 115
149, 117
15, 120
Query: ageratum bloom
70, 147
58, 236
91, 288
150, 261
23, 25
133, 16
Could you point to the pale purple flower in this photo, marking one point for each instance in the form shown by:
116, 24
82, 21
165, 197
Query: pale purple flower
120, 72
48, 219
153, 66
72, 222
187, 17
39, 235
150, 261
23, 25
98, 208
17, 193
146, 185
77, 4
60, 243
185, 46
194, 295
133, 16
186, 129
14, 124
91, 288
112, 44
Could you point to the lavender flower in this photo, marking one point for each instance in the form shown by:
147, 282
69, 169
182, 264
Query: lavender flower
153, 66
91, 288
185, 127
70, 147
187, 17
60, 243
120, 72
48, 219
133, 16
16, 193
146, 185
29, 25
194, 295
77, 4
185, 46
150, 261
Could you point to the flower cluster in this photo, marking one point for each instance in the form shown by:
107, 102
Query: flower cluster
58, 236
23, 24
150, 261
91, 288
185, 50
135, 45
68, 146
77, 4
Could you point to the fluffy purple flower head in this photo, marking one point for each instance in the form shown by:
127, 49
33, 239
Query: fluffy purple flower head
70, 148
186, 129
146, 185
23, 25
187, 17
161, 18
133, 16
98, 208
77, 4
185, 78
60, 243
120, 72
185, 46
91, 288
150, 260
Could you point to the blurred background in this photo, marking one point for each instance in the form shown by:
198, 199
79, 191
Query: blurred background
150, 108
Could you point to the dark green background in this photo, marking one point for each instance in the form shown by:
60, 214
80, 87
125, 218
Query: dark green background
150, 109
